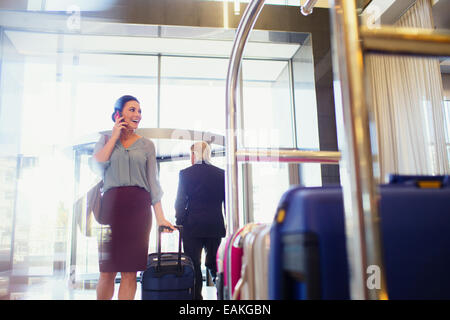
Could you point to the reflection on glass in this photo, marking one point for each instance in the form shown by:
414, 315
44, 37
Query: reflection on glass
407, 100
58, 91
447, 127
8, 169
193, 89
305, 98
310, 174
270, 181
266, 93
168, 177
50, 102
42, 215
100, 79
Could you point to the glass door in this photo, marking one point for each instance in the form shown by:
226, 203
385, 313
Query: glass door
58, 91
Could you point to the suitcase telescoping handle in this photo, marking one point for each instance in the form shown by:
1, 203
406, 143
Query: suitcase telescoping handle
180, 231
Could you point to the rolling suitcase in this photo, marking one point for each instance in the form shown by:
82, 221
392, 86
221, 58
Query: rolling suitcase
243, 270
261, 249
220, 269
236, 250
253, 282
169, 275
308, 258
233, 253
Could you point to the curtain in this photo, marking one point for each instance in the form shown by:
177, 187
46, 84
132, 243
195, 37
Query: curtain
408, 107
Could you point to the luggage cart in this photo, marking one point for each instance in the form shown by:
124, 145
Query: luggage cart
350, 42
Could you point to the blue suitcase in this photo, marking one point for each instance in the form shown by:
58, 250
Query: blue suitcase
308, 258
169, 275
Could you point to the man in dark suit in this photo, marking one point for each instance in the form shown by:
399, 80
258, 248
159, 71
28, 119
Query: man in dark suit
201, 193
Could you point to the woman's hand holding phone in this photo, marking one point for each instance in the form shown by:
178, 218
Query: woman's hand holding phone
118, 125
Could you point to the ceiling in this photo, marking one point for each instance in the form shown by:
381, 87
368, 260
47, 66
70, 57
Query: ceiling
388, 10
98, 5
36, 42
137, 57
441, 14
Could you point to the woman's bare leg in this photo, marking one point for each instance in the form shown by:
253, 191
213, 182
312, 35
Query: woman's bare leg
127, 289
105, 285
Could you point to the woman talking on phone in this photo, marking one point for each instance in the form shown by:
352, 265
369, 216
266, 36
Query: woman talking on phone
131, 187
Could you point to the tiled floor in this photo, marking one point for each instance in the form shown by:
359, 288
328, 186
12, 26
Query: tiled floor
61, 289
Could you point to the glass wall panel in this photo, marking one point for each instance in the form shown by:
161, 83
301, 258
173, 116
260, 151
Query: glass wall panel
88, 232
45, 184
193, 93
169, 176
270, 181
267, 108
306, 118
11, 80
310, 174
305, 98
447, 127
412, 14
8, 180
51, 102
100, 79
58, 92
409, 110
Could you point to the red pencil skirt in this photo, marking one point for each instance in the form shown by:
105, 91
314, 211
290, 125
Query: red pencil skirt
125, 248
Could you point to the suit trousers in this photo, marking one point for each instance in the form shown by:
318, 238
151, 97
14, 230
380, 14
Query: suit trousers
193, 248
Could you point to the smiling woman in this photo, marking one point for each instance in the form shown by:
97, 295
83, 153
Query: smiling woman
127, 164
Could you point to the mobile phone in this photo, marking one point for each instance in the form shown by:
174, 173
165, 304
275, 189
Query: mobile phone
118, 114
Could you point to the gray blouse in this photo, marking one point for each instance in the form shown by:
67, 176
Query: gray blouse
132, 166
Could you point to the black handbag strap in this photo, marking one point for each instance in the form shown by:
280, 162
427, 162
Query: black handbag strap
180, 231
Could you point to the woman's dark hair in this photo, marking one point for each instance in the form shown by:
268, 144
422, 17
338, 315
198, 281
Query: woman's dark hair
120, 103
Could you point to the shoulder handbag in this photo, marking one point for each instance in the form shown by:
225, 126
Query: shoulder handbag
94, 201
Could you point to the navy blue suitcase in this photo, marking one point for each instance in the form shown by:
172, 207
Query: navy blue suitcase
169, 275
308, 258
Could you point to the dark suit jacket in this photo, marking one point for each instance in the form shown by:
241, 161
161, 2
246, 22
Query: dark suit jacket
204, 186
